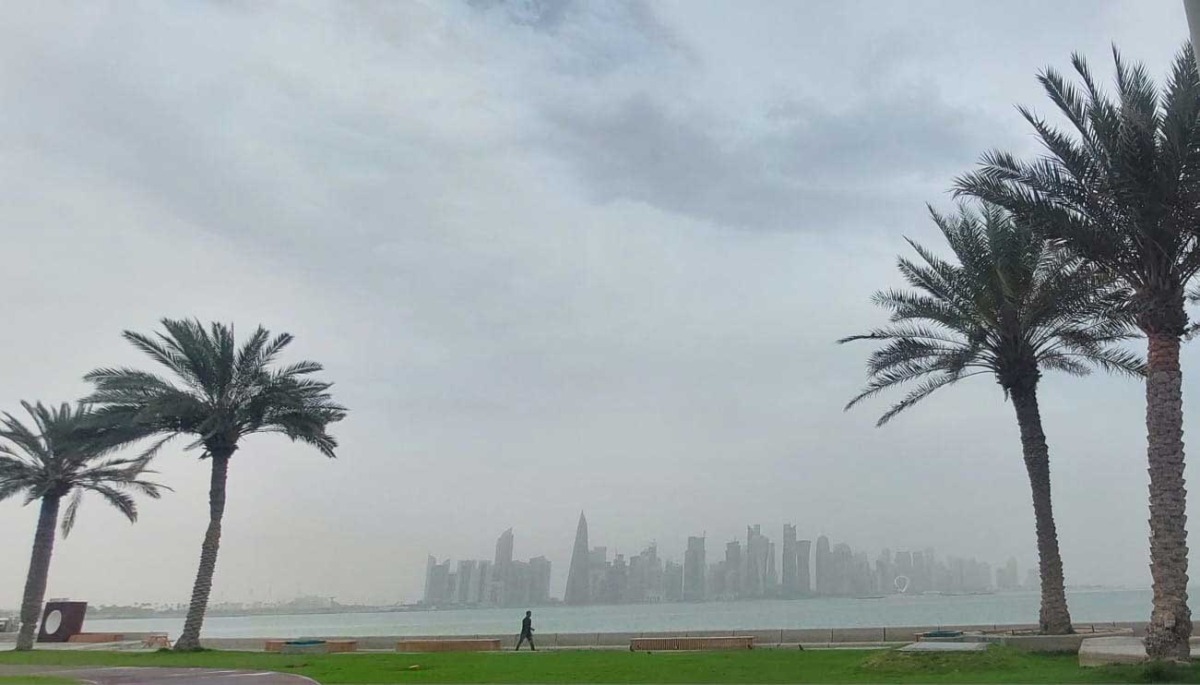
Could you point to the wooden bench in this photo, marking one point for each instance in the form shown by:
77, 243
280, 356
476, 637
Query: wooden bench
456, 645
327, 646
96, 638
656, 644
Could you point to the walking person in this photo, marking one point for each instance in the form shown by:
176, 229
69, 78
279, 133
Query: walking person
526, 632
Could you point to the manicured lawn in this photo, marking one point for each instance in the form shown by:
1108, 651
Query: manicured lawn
759, 666
34, 680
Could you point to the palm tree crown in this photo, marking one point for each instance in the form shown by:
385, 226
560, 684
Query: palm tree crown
66, 452
1121, 187
1010, 306
218, 392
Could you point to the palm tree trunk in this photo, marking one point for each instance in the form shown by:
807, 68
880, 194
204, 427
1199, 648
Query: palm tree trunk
39, 570
189, 640
1171, 619
1054, 617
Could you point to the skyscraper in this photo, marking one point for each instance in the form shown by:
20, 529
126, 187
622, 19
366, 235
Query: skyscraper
824, 567
790, 585
578, 575
803, 586
468, 582
759, 577
734, 560
504, 549
437, 582
672, 582
694, 568
503, 575
539, 580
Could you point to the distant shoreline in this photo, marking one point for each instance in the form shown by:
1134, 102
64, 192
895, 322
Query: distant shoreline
125, 612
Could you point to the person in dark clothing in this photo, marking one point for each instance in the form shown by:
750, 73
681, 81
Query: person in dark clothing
526, 632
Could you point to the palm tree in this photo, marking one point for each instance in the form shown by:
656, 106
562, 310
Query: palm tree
1120, 188
217, 393
1009, 307
66, 453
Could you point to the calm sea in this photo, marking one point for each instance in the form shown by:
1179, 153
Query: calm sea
896, 610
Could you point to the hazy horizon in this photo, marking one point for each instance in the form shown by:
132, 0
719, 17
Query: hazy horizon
555, 256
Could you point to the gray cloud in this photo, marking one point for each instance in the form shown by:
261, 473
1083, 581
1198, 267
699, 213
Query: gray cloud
810, 170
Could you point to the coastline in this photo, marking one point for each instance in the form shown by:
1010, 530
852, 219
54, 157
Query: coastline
1089, 606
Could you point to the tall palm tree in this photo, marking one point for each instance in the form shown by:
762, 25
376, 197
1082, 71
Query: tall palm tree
1008, 307
1120, 187
217, 393
65, 454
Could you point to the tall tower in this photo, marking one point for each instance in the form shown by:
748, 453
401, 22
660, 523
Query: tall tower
504, 549
694, 568
791, 585
803, 586
824, 567
501, 587
578, 578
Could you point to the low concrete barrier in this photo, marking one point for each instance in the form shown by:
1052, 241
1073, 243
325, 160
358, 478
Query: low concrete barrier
807, 635
905, 633
614, 639
858, 635
453, 645
574, 639
656, 644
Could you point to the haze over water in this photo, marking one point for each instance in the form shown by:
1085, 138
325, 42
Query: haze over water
894, 610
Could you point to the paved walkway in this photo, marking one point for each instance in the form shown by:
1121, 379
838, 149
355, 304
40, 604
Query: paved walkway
173, 676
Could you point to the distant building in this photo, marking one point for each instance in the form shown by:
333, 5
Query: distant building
502, 582
578, 575
902, 569
733, 569
759, 577
1007, 577
598, 577
789, 587
504, 549
694, 569
645, 577
673, 582
437, 582
1033, 581
539, 581
842, 561
823, 563
468, 582
803, 585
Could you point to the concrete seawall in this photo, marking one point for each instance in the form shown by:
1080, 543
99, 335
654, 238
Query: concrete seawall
815, 637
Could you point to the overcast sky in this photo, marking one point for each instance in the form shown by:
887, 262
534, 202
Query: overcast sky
556, 256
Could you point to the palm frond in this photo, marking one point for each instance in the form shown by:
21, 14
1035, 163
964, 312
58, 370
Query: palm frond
1008, 305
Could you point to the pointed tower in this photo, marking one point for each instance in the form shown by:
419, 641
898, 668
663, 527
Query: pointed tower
578, 582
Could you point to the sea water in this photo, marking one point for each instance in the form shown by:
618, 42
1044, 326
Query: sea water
1087, 606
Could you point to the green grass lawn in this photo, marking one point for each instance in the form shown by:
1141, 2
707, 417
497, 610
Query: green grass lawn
998, 665
34, 680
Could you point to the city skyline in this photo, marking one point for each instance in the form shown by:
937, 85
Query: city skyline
755, 572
